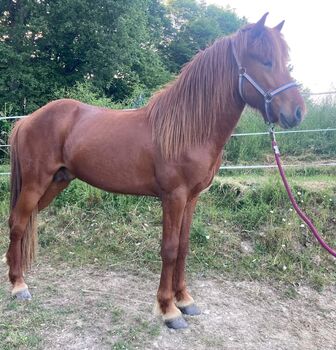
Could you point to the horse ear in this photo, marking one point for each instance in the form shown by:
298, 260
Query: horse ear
259, 26
279, 26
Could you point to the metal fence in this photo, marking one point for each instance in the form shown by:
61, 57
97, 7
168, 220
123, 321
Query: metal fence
241, 167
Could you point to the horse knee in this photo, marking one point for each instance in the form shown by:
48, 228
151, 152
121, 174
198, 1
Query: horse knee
169, 252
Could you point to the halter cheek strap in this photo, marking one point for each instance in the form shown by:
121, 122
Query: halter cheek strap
267, 95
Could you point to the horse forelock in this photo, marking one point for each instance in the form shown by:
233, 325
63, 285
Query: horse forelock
270, 45
185, 113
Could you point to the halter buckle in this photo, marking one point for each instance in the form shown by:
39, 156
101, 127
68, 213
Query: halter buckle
242, 71
268, 97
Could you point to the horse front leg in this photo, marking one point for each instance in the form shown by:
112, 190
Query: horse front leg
173, 206
184, 300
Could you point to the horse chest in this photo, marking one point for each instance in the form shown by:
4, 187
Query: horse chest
206, 184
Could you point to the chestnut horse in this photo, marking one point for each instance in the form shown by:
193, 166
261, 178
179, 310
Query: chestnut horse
171, 149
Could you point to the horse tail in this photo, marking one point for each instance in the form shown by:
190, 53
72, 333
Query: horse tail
29, 239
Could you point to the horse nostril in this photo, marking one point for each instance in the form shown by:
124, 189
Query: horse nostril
298, 113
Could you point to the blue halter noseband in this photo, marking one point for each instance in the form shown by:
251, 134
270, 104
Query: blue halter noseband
267, 95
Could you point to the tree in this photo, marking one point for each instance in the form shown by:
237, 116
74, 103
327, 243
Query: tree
119, 47
19, 78
196, 26
50, 44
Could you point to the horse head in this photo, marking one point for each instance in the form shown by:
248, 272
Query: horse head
261, 55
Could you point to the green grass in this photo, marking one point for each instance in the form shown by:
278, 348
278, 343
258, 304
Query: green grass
88, 226
304, 146
20, 329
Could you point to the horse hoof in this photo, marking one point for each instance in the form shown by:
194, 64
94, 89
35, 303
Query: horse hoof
23, 295
190, 310
177, 323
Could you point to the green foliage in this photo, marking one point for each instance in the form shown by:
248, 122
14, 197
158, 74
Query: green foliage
120, 46
5, 127
87, 93
196, 26
248, 209
199, 234
58, 43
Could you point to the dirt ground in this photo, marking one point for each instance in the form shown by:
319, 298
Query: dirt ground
98, 309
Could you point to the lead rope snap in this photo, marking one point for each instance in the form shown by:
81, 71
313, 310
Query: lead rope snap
274, 144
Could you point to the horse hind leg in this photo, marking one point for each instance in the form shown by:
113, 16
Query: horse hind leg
23, 227
23, 241
61, 180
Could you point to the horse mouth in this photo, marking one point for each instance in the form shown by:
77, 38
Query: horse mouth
287, 123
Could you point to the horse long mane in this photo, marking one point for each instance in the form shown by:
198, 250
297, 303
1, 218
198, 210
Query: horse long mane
186, 112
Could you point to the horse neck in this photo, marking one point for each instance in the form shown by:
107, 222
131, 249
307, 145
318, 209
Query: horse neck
230, 107
226, 124
202, 106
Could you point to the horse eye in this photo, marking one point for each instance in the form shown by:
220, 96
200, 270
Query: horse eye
268, 64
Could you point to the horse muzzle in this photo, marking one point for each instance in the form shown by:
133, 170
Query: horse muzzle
289, 121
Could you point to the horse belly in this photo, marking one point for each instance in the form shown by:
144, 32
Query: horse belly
112, 152
118, 173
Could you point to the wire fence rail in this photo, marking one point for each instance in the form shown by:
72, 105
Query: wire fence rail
248, 134
273, 166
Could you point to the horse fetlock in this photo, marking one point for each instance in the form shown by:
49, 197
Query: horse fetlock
167, 312
19, 287
183, 298
186, 304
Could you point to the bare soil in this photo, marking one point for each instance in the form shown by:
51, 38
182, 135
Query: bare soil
90, 308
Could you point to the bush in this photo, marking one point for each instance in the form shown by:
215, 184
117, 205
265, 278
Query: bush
86, 92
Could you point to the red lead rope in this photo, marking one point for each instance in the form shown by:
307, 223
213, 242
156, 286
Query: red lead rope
302, 215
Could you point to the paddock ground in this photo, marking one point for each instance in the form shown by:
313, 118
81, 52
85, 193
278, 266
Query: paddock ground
92, 308
259, 277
